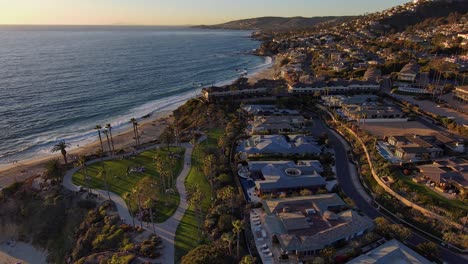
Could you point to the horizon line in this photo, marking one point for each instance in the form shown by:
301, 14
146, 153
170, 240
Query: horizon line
100, 25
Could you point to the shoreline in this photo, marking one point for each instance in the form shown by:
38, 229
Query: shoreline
150, 128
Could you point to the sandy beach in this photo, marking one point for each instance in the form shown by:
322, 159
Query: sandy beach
150, 129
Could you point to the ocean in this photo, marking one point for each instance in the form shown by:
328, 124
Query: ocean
58, 83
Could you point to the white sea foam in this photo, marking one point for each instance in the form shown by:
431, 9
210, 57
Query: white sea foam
81, 132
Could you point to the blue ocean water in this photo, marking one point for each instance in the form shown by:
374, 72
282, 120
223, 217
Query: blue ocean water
59, 82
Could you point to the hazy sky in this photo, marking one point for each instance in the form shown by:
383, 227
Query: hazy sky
174, 12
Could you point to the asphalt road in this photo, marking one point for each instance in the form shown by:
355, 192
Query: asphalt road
345, 181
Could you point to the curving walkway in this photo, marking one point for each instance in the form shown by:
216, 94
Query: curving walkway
166, 230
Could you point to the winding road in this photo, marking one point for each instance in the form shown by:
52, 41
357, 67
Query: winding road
166, 230
352, 187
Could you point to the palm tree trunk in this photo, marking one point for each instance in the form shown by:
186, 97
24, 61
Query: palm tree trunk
139, 209
152, 222
107, 186
100, 139
112, 140
64, 153
137, 135
199, 222
238, 235
109, 145
171, 173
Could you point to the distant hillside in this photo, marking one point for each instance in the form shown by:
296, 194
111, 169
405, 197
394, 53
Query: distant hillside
401, 19
275, 23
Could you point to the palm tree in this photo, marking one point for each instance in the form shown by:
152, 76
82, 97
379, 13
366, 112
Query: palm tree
194, 143
194, 198
149, 204
137, 133
61, 146
228, 238
135, 130
82, 164
168, 137
109, 127
208, 168
103, 174
161, 169
128, 196
228, 193
106, 132
238, 226
98, 128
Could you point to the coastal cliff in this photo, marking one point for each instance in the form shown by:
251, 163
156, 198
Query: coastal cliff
274, 23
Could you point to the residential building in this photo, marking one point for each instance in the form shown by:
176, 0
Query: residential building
408, 73
241, 90
391, 252
278, 176
417, 147
373, 113
233, 93
268, 110
333, 87
280, 145
276, 124
372, 74
461, 93
446, 173
299, 227
341, 100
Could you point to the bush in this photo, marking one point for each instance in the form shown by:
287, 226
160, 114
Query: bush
205, 254
10, 190
225, 223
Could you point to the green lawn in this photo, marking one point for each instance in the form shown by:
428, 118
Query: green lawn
423, 189
121, 183
186, 236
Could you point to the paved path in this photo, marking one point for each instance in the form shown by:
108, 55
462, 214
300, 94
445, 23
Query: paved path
166, 230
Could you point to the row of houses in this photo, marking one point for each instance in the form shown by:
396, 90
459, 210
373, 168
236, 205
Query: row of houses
291, 228
277, 124
365, 108
259, 91
333, 87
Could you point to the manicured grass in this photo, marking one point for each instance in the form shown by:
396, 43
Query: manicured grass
121, 183
187, 235
423, 189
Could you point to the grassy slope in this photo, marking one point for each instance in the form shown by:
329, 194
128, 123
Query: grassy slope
421, 188
120, 184
186, 236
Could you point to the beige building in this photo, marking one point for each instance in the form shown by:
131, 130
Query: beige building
392, 252
299, 227
461, 93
